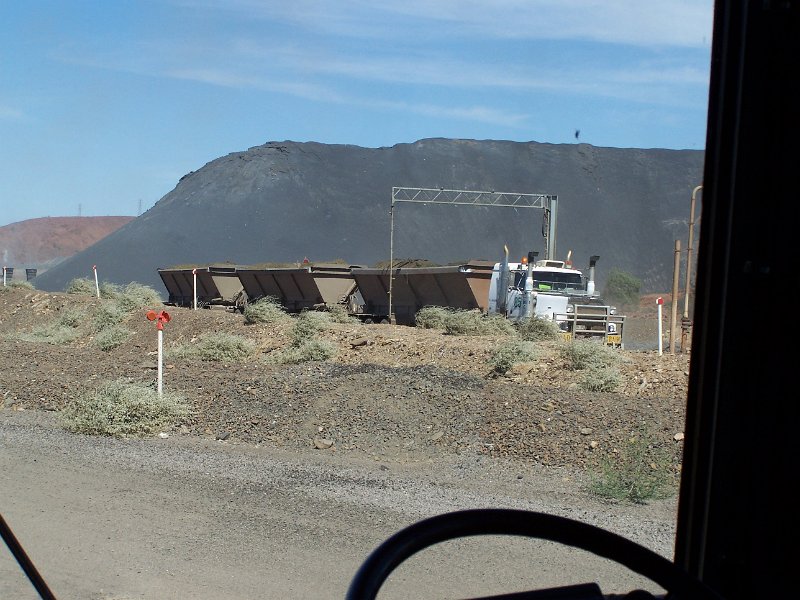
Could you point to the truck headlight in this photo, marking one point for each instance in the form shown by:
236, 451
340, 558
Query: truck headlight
612, 310
570, 308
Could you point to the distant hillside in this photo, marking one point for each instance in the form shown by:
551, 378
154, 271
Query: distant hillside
284, 201
39, 243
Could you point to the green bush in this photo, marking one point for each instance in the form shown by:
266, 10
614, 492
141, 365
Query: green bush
53, 333
265, 310
600, 379
506, 356
339, 314
135, 296
473, 322
111, 337
536, 329
622, 288
217, 347
122, 409
307, 325
64, 329
640, 472
25, 285
587, 354
108, 314
109, 291
306, 351
81, 285
72, 317
432, 317
304, 346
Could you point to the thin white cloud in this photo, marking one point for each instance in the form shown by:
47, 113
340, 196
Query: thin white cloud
280, 82
10, 113
319, 68
639, 82
482, 114
224, 78
684, 23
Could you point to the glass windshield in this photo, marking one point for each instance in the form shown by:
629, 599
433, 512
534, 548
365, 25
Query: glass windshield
544, 280
249, 324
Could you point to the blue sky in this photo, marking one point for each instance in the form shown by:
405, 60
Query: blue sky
105, 105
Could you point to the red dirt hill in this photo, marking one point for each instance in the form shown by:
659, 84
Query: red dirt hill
45, 241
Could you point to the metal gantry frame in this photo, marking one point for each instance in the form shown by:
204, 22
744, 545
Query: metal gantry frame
546, 202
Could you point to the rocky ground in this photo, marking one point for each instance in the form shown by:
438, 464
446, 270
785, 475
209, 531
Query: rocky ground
394, 394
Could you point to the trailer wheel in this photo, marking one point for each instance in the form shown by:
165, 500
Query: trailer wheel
384, 321
368, 321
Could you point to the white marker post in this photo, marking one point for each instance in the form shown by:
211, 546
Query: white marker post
160, 318
660, 303
96, 283
194, 288
4, 277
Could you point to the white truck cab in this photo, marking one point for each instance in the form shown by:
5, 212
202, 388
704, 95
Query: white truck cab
551, 286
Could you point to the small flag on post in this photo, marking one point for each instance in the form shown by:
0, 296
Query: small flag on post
160, 317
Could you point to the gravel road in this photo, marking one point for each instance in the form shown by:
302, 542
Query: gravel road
188, 518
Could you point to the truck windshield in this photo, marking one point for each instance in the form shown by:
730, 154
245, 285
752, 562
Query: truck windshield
550, 280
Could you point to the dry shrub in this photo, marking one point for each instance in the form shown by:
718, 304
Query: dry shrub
432, 317
62, 330
135, 296
506, 356
112, 337
304, 345
108, 314
109, 291
586, 354
306, 351
81, 286
307, 325
536, 329
600, 379
641, 471
217, 347
24, 285
72, 317
54, 333
124, 409
339, 314
265, 310
473, 322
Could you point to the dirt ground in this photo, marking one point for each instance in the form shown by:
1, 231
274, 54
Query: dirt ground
409, 407
405, 395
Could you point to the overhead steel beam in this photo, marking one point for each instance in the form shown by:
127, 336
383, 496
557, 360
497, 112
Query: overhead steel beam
545, 202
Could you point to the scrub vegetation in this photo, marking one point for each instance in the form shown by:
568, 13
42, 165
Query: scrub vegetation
215, 347
124, 409
511, 353
639, 472
305, 346
265, 310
